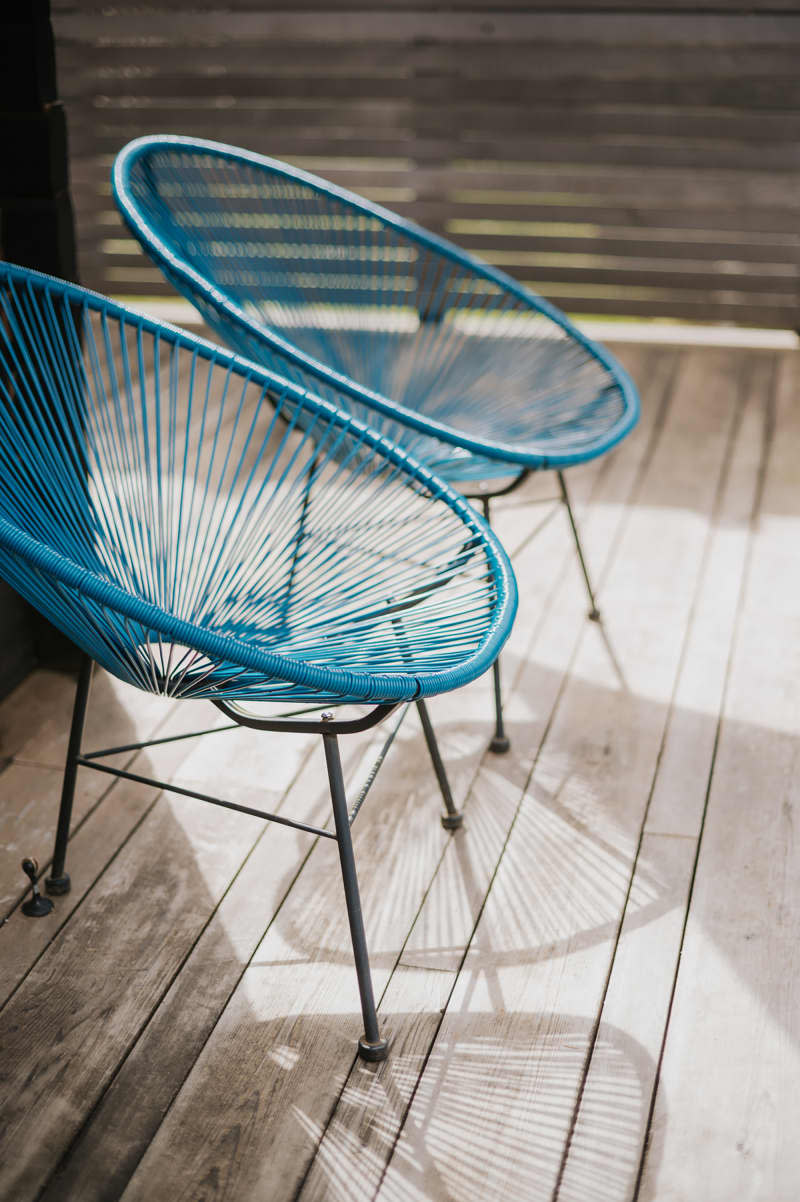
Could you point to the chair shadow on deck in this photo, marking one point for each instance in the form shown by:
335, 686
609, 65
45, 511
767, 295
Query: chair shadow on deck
561, 895
461, 1123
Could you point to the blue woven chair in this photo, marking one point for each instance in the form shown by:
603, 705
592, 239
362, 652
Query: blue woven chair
475, 375
205, 529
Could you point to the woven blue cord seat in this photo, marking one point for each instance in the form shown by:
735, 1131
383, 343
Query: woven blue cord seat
204, 528
474, 374
154, 506
467, 368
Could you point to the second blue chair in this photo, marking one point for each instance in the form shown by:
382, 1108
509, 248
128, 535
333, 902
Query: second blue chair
481, 379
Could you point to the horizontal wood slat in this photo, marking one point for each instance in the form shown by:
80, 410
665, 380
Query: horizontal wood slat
744, 7
621, 157
190, 22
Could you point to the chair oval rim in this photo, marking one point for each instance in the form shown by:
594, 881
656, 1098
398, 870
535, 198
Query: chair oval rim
379, 686
176, 264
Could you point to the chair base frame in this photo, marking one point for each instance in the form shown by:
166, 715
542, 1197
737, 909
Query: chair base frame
372, 1046
500, 742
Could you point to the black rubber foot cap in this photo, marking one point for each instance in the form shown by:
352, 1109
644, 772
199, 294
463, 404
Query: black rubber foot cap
593, 615
452, 822
372, 1052
499, 745
58, 884
37, 907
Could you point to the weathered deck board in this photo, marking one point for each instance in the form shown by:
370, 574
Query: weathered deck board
734, 1024
184, 1025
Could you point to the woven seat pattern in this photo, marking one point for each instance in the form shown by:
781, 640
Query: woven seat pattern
203, 528
471, 371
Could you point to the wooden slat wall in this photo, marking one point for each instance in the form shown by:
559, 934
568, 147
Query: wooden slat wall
620, 158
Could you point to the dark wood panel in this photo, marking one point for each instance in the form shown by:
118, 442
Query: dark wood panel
710, 194
459, 121
744, 7
712, 187
553, 61
632, 148
774, 259
639, 150
63, 8
766, 227
400, 141
772, 100
189, 24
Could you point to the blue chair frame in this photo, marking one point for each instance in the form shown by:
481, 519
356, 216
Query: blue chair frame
204, 528
490, 381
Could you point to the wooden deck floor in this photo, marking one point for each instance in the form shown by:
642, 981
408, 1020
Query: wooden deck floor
592, 987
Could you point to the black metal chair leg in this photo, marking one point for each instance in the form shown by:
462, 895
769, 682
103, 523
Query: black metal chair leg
453, 819
594, 612
58, 881
370, 1046
499, 742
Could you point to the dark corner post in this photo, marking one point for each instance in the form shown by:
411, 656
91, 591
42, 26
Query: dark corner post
58, 881
453, 819
594, 612
499, 742
36, 230
370, 1046
36, 221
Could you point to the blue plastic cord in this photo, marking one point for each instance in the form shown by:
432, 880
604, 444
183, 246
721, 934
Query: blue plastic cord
204, 528
471, 371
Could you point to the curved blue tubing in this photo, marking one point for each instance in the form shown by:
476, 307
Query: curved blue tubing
204, 528
461, 364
